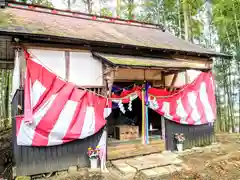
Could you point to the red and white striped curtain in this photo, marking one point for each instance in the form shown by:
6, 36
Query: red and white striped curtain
56, 111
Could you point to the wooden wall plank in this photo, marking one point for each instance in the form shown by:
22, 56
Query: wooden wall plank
137, 74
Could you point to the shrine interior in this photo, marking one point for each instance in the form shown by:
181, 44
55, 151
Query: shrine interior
127, 126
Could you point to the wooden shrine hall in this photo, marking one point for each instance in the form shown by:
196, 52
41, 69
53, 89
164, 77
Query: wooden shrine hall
134, 64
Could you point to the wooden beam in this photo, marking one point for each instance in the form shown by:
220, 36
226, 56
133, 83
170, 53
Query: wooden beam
6, 62
67, 64
173, 81
166, 73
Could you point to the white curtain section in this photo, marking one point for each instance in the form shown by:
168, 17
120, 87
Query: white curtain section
180, 81
166, 110
181, 78
61, 126
27, 132
89, 123
192, 75
16, 73
85, 70
51, 59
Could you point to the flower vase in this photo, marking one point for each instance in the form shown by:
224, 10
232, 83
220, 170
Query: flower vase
180, 147
94, 163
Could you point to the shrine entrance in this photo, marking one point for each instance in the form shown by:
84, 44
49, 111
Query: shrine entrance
125, 124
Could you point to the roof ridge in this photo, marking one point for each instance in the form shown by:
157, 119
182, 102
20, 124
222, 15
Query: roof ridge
81, 15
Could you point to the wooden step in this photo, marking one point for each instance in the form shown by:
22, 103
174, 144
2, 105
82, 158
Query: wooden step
133, 146
138, 149
128, 145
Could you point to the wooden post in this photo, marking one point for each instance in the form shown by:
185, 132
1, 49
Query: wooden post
146, 124
146, 112
163, 131
22, 62
108, 79
67, 65
175, 76
16, 73
143, 117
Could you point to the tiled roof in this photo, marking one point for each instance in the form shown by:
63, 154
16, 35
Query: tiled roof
35, 21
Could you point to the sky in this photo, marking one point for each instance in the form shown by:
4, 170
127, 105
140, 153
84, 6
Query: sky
59, 4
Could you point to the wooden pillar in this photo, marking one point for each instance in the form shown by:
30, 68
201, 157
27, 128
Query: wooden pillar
143, 117
163, 131
108, 79
22, 62
67, 65
175, 76
146, 112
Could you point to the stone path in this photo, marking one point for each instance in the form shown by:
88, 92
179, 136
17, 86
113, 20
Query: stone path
149, 166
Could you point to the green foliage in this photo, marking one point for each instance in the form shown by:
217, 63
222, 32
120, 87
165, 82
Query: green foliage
127, 8
105, 12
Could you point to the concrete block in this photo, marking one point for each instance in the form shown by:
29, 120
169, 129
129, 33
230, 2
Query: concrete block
14, 174
149, 173
23, 178
162, 171
72, 169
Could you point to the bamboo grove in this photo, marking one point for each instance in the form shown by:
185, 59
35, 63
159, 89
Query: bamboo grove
5, 98
210, 23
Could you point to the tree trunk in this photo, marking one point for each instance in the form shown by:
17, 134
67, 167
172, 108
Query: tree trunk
179, 19
6, 122
130, 9
226, 119
118, 9
230, 97
69, 4
186, 19
89, 5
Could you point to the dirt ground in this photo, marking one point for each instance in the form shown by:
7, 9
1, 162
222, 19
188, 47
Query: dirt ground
222, 164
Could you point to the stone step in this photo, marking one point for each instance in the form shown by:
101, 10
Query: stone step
124, 168
152, 161
115, 174
159, 172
